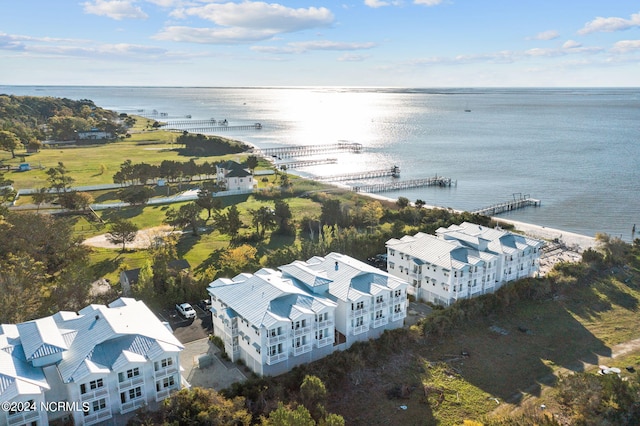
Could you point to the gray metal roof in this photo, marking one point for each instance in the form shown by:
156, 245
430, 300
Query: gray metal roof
95, 339
265, 297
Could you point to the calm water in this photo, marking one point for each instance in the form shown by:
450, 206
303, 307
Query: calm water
578, 150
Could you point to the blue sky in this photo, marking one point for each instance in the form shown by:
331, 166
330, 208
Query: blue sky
389, 43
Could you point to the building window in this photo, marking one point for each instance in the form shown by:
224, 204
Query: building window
380, 298
359, 321
164, 363
398, 293
94, 384
379, 314
392, 265
129, 374
392, 252
167, 382
322, 317
99, 404
135, 393
397, 309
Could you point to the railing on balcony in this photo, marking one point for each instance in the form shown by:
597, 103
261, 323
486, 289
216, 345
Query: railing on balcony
24, 417
398, 315
132, 405
358, 312
361, 329
94, 394
100, 416
273, 340
383, 304
231, 330
138, 380
272, 359
380, 322
164, 393
323, 324
298, 350
300, 331
324, 342
166, 371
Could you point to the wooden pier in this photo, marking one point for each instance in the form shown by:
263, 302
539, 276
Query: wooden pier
519, 202
399, 185
393, 172
305, 150
256, 126
306, 163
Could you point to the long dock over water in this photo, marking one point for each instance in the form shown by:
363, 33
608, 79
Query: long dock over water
413, 183
517, 203
304, 150
393, 171
306, 163
213, 128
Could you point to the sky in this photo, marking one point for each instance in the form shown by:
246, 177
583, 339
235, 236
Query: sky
372, 43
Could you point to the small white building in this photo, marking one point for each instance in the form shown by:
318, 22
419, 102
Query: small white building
276, 320
234, 176
88, 367
462, 261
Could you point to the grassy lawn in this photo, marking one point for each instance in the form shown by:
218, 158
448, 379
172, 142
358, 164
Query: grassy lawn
502, 372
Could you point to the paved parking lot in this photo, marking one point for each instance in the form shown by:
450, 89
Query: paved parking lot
188, 330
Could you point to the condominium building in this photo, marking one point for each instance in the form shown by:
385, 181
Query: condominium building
275, 320
461, 261
87, 367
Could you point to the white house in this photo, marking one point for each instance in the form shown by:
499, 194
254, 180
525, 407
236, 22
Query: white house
234, 176
87, 367
461, 261
276, 320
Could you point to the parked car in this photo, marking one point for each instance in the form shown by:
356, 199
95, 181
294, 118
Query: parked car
205, 304
186, 310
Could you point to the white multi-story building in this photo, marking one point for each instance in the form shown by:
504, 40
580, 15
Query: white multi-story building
461, 261
234, 176
87, 367
276, 320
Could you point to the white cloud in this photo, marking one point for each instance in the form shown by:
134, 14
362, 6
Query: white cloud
350, 57
625, 46
609, 25
382, 3
376, 3
262, 16
306, 46
547, 35
115, 9
428, 2
244, 22
214, 35
571, 44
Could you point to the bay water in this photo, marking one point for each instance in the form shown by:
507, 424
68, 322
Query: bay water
575, 149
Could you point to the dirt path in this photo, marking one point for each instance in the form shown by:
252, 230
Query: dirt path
144, 238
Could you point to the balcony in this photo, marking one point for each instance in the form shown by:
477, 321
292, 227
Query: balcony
274, 340
134, 404
272, 359
98, 417
137, 380
358, 312
166, 371
164, 393
324, 324
380, 322
25, 417
324, 342
381, 305
230, 330
361, 329
398, 315
94, 394
300, 331
299, 350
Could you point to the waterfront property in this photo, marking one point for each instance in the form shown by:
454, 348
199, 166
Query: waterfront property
235, 177
274, 320
100, 363
461, 261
